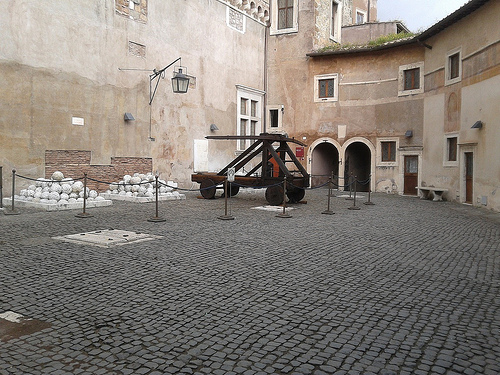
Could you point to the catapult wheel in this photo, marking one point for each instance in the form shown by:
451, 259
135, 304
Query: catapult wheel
295, 195
274, 195
207, 188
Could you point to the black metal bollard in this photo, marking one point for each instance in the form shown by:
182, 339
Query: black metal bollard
156, 218
369, 202
84, 214
328, 211
330, 193
349, 183
13, 210
1, 187
226, 193
354, 207
284, 214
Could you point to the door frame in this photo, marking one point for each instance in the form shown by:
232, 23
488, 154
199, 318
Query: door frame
401, 184
463, 149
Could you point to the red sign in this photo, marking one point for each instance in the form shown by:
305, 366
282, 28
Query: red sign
299, 151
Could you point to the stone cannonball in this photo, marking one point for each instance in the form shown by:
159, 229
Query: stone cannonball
77, 187
57, 176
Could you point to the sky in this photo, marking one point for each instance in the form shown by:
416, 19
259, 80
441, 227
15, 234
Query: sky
417, 15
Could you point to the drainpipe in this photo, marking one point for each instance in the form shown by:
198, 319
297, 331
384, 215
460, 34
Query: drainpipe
369, 6
266, 40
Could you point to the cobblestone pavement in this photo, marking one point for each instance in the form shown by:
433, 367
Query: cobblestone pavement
402, 287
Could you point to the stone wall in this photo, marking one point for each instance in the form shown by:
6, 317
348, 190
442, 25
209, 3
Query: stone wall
74, 163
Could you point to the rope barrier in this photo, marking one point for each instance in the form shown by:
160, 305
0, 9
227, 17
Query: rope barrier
1, 187
218, 185
350, 181
192, 189
49, 181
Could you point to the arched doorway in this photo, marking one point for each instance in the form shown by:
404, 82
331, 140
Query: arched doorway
324, 162
357, 162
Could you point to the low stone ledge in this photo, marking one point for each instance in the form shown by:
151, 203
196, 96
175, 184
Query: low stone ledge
161, 197
7, 202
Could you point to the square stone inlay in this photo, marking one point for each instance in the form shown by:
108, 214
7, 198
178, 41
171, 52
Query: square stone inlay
107, 238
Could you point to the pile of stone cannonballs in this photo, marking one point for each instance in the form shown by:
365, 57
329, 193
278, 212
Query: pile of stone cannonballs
140, 185
57, 190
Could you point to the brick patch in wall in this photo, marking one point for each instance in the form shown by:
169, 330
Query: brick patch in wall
74, 163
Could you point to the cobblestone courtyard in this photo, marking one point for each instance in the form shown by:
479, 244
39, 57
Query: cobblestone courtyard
402, 287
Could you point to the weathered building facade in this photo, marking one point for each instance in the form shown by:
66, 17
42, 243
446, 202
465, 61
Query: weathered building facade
71, 70
461, 120
398, 113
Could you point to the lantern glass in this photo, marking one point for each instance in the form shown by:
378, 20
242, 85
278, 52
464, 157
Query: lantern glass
180, 83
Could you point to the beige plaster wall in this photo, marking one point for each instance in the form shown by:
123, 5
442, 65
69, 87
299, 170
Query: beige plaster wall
61, 59
480, 102
453, 109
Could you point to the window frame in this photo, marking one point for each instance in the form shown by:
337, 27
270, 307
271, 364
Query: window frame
322, 77
387, 163
446, 150
275, 30
447, 68
280, 110
362, 12
336, 20
248, 95
401, 79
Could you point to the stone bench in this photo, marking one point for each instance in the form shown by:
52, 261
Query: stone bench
424, 192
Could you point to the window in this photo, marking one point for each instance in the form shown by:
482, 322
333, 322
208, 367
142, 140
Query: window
275, 118
451, 150
388, 150
454, 62
453, 67
335, 22
249, 115
411, 79
326, 88
360, 16
243, 106
284, 16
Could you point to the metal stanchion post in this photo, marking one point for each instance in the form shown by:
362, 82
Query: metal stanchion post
226, 193
1, 187
13, 211
349, 183
369, 202
354, 207
330, 193
328, 211
284, 214
156, 218
84, 214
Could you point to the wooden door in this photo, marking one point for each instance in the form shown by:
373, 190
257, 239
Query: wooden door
411, 175
468, 176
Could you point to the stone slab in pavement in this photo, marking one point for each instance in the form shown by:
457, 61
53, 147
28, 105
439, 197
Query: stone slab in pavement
402, 287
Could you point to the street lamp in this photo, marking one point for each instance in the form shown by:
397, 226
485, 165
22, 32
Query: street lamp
180, 81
